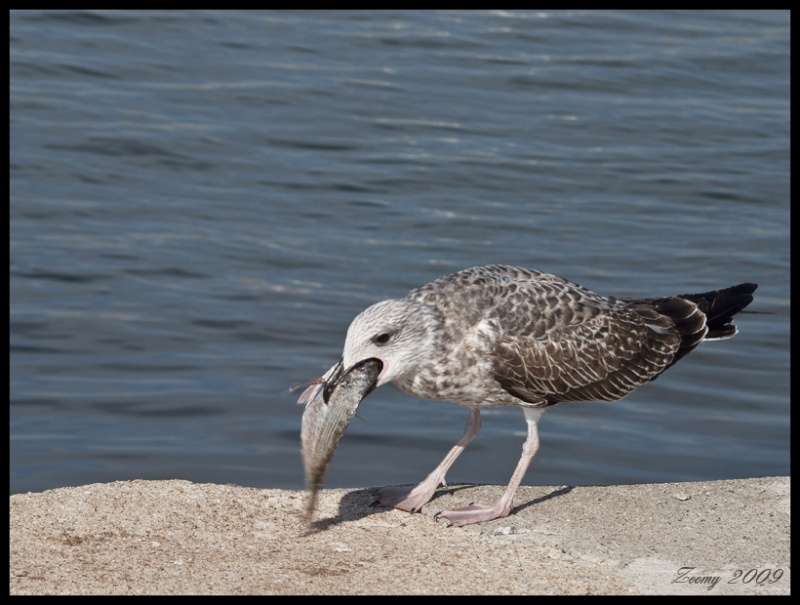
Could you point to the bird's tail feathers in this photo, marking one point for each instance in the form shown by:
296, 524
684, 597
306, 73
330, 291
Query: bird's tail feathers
719, 307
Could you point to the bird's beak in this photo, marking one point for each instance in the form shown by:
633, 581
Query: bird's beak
339, 374
332, 380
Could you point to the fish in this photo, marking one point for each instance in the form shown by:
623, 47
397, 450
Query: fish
331, 403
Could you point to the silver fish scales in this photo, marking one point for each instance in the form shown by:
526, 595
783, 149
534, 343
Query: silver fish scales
324, 423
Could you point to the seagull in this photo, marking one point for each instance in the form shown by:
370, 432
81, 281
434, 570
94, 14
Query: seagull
499, 335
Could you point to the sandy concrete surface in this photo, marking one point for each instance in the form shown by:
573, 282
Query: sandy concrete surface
177, 537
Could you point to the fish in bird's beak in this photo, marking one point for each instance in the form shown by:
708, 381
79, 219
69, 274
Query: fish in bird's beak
331, 383
330, 406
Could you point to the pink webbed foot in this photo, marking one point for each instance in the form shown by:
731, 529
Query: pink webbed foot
406, 497
412, 499
475, 513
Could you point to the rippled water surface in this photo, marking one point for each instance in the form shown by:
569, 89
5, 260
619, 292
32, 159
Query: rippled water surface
200, 202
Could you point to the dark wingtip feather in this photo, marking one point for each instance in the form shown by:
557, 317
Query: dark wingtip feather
720, 306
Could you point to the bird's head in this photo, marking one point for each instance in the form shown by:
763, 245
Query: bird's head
399, 333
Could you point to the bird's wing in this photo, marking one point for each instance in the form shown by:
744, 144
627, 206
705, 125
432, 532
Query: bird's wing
577, 350
552, 339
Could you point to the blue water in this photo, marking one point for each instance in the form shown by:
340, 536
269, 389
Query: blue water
200, 202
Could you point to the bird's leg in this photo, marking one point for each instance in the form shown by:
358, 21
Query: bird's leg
476, 513
412, 499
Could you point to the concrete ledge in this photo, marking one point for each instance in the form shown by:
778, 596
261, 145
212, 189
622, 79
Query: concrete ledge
177, 537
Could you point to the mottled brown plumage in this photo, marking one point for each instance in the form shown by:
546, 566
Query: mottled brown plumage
500, 335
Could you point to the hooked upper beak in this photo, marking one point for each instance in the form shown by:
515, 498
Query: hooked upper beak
338, 374
333, 380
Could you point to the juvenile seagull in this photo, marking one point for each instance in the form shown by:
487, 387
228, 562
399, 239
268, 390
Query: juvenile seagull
500, 335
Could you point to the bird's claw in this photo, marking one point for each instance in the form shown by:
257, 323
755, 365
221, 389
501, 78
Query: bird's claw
406, 497
473, 513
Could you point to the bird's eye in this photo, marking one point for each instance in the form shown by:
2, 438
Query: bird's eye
381, 339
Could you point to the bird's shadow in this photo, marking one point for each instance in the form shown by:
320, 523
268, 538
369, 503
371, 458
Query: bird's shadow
361, 503
561, 491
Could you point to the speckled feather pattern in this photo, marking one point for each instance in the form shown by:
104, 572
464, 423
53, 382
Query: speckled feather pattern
500, 335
